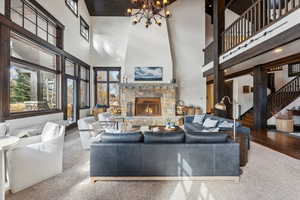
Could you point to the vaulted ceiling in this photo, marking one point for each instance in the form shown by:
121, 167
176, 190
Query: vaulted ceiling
119, 7
109, 7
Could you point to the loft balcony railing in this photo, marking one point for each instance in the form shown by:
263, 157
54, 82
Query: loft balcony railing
262, 14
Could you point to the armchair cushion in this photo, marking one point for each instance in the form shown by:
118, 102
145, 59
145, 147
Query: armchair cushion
50, 131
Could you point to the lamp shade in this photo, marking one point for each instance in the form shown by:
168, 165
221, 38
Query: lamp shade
221, 106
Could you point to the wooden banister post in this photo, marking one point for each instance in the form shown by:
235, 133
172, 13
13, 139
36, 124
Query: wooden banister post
260, 97
219, 27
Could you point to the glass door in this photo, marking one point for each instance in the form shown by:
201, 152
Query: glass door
71, 100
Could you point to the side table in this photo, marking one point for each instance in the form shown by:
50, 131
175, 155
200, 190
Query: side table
5, 143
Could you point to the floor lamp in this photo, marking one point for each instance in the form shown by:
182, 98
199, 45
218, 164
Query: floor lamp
222, 106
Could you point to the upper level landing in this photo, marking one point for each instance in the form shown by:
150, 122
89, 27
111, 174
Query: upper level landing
263, 33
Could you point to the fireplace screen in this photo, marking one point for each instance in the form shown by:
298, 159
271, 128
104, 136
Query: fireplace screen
147, 106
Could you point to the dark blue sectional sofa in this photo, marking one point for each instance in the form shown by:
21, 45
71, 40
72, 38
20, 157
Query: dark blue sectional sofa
191, 127
164, 156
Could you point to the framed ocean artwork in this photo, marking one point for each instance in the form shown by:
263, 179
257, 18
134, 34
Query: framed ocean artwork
148, 74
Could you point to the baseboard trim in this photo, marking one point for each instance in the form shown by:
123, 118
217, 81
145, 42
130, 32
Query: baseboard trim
235, 179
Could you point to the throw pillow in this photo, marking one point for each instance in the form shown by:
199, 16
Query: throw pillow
104, 117
225, 124
209, 123
211, 130
50, 131
199, 119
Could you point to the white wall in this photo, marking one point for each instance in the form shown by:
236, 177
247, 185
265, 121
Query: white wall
230, 17
148, 47
2, 7
209, 30
109, 42
74, 43
243, 99
282, 77
187, 36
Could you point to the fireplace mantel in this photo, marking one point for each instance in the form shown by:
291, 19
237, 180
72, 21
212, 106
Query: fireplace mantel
148, 85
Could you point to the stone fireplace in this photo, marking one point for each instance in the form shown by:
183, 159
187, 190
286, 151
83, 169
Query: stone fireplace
146, 106
148, 103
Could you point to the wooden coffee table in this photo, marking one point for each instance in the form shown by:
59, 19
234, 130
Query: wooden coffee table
163, 129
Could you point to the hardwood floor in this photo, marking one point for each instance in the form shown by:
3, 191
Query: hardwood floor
277, 141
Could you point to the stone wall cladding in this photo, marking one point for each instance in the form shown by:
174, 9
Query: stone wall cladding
167, 93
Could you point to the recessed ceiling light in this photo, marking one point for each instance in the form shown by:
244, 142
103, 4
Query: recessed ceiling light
278, 50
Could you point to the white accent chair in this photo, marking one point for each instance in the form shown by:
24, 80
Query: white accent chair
87, 132
37, 158
90, 130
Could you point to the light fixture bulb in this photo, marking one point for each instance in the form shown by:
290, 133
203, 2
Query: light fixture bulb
129, 11
168, 13
165, 2
278, 50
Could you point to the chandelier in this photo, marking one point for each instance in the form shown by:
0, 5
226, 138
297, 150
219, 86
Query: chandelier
152, 11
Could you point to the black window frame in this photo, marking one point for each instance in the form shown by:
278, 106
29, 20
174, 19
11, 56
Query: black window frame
72, 9
107, 82
87, 80
85, 25
38, 68
40, 12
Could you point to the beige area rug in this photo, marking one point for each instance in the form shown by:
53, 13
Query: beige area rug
269, 175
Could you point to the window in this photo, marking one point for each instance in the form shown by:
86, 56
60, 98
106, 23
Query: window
73, 5
33, 86
84, 29
84, 87
107, 86
31, 18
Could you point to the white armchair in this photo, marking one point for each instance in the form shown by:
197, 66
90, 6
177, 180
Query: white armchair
88, 132
36, 158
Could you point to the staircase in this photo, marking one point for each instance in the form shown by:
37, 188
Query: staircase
276, 101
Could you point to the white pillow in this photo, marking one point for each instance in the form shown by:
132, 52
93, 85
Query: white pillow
198, 119
211, 130
103, 117
50, 131
226, 124
209, 123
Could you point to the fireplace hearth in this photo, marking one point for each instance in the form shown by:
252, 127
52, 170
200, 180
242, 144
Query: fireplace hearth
147, 106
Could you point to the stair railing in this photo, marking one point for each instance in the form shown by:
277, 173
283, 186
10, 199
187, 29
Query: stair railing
256, 18
284, 96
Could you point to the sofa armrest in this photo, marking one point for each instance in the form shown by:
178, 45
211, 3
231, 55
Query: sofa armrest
23, 142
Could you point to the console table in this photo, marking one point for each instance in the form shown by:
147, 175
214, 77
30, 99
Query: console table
242, 140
